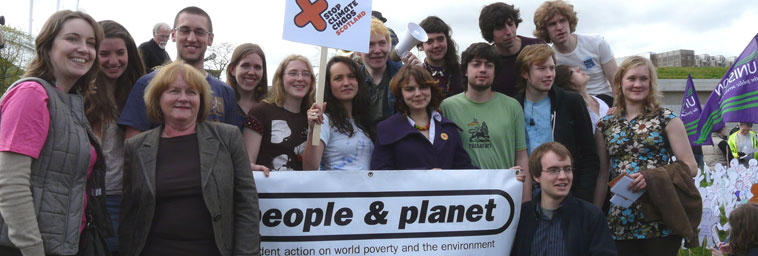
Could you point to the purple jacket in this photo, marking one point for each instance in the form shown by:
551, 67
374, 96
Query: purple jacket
399, 146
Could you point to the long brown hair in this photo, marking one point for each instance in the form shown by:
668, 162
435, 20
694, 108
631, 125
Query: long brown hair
42, 66
240, 52
744, 233
336, 110
97, 104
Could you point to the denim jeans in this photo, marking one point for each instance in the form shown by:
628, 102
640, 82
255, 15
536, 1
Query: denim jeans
112, 203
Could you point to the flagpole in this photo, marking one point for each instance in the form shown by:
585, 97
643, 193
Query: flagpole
316, 132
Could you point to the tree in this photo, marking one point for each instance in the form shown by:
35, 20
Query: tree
218, 57
17, 53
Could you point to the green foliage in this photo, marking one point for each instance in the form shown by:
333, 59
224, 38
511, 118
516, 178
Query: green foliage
11, 75
697, 72
18, 52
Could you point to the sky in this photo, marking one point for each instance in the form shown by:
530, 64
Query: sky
714, 27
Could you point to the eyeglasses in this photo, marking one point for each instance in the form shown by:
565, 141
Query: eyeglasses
557, 170
295, 74
186, 31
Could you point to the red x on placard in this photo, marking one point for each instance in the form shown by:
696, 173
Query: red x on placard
311, 14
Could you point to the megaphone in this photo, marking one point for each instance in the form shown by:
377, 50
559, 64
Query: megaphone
413, 36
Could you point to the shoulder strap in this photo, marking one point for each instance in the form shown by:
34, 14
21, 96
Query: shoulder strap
25, 79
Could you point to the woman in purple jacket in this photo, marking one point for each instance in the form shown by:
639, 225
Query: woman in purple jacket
417, 137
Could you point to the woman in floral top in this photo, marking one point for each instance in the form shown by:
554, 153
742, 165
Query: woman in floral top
634, 138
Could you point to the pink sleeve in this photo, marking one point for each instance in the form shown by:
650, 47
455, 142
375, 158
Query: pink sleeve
24, 119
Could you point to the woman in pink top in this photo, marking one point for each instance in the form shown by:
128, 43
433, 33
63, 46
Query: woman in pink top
51, 165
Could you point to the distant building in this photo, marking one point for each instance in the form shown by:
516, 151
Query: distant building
705, 60
676, 58
683, 58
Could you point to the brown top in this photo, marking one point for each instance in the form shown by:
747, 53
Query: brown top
284, 135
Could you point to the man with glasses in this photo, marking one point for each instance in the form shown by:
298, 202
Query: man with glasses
193, 33
554, 114
556, 223
154, 50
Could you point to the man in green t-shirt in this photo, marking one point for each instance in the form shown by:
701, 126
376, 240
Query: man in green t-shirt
493, 123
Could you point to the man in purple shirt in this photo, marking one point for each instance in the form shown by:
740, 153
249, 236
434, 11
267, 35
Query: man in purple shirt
498, 23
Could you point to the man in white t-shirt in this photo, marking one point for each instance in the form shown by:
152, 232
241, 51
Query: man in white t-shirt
555, 22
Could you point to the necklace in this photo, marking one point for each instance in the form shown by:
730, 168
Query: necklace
423, 128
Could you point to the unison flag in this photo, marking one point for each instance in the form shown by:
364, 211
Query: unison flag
735, 98
691, 109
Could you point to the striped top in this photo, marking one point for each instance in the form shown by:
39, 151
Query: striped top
548, 237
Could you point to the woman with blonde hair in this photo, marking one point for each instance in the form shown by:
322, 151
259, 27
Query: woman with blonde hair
640, 135
188, 186
277, 127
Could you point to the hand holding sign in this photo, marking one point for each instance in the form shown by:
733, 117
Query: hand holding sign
335, 24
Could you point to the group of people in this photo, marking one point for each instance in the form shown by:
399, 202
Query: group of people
93, 140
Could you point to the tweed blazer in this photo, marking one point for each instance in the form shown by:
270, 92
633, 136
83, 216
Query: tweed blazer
227, 184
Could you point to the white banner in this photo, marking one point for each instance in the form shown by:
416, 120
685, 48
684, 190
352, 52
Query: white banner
341, 24
435, 212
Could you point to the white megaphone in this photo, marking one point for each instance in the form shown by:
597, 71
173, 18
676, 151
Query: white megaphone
413, 36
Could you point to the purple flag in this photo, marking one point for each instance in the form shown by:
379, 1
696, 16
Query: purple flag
735, 98
690, 113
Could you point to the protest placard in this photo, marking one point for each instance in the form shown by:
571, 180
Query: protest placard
438, 212
341, 24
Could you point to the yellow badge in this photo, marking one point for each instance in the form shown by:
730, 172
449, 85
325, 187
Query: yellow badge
443, 136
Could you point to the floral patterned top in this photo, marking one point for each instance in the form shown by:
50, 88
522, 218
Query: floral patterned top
633, 146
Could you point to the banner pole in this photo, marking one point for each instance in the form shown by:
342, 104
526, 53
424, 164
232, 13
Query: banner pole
316, 132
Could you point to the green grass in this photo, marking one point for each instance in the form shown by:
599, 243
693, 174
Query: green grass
697, 72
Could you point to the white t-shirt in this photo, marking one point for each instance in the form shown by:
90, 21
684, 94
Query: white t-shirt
591, 52
342, 152
602, 110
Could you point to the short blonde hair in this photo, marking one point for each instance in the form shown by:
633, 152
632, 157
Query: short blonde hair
277, 96
652, 101
378, 28
535, 54
166, 76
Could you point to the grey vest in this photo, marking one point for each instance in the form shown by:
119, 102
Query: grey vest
59, 175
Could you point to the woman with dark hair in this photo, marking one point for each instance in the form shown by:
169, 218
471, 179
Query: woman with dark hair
744, 233
574, 79
51, 164
345, 138
277, 127
417, 137
120, 67
640, 135
441, 56
247, 76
